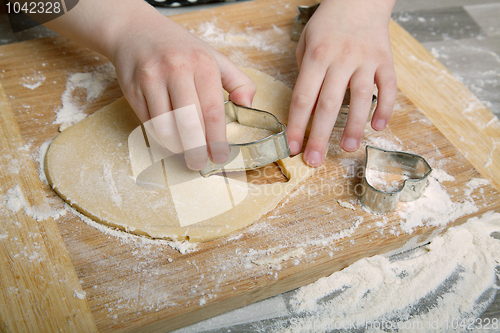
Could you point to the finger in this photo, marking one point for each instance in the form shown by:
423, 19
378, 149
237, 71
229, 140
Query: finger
304, 98
189, 121
209, 88
385, 79
325, 115
161, 127
240, 87
139, 105
301, 46
359, 109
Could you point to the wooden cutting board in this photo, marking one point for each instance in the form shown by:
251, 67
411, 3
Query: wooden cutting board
48, 265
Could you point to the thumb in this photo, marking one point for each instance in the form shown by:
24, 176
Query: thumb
240, 87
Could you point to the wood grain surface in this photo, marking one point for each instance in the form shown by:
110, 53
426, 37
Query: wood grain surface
131, 285
37, 279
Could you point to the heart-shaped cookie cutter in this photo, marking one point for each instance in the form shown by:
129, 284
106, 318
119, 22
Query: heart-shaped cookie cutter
405, 164
255, 154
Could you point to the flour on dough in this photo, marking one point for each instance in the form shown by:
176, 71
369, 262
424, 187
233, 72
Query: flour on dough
238, 134
88, 165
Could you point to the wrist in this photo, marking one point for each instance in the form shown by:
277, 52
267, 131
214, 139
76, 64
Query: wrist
128, 17
98, 24
139, 22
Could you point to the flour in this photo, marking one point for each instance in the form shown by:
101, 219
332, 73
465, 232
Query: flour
261, 40
33, 82
441, 176
451, 279
114, 193
433, 208
92, 83
489, 158
384, 143
13, 166
344, 233
182, 246
474, 184
493, 121
384, 181
79, 295
347, 205
470, 112
15, 201
41, 161
239, 45
238, 134
274, 261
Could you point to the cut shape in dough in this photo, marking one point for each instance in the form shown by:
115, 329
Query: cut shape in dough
88, 165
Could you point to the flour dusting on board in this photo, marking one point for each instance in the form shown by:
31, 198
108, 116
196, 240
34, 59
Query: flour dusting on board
34, 81
92, 84
441, 175
15, 201
261, 40
384, 143
238, 45
474, 184
79, 295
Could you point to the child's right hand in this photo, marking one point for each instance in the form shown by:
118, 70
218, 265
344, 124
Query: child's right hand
162, 67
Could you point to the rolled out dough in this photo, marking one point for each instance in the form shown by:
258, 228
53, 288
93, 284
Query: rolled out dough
88, 165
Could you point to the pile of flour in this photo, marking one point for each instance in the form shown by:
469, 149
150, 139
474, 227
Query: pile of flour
435, 207
437, 287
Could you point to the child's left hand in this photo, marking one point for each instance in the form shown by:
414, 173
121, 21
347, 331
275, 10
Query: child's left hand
346, 43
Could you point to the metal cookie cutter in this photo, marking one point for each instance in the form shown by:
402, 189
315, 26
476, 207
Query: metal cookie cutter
300, 21
413, 166
254, 154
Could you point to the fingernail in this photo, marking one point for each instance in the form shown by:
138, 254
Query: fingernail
248, 102
196, 164
294, 147
350, 144
313, 158
220, 158
380, 124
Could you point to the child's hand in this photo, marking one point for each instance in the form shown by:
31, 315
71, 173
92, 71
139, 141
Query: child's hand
346, 43
162, 67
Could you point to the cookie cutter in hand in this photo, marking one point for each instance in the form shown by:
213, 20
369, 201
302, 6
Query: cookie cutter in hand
413, 166
254, 154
